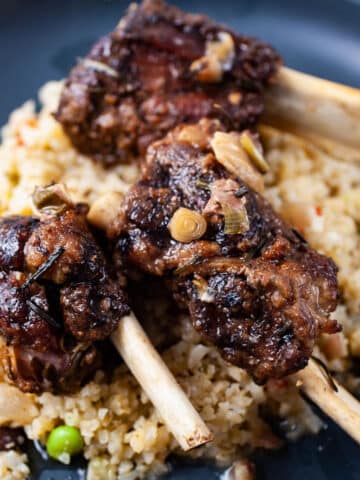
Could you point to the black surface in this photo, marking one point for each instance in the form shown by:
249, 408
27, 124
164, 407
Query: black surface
39, 40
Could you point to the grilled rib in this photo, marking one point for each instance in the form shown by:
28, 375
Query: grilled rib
161, 67
58, 301
263, 295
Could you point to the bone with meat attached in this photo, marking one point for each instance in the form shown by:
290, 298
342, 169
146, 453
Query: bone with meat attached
60, 302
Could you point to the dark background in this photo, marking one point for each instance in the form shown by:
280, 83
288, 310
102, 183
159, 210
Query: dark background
41, 38
39, 41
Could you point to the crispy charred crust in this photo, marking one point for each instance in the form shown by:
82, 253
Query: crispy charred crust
262, 296
19, 324
51, 321
82, 258
144, 84
92, 310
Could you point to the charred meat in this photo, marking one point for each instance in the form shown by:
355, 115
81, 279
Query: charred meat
58, 300
253, 287
161, 67
182, 89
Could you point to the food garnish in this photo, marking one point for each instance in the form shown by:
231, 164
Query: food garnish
44, 315
235, 220
187, 225
218, 58
243, 190
298, 235
44, 267
255, 151
203, 185
51, 200
204, 292
230, 153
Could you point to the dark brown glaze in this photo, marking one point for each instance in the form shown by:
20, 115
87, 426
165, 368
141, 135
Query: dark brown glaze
92, 309
82, 258
62, 370
18, 323
11, 438
50, 324
14, 232
152, 84
267, 294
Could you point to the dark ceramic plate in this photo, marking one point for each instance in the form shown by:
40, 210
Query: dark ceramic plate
39, 41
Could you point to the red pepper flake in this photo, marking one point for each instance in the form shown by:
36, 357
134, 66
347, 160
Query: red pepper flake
318, 210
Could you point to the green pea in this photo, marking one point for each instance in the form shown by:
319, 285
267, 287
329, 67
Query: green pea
64, 439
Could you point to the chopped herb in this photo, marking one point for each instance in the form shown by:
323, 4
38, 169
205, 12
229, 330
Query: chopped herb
202, 184
201, 284
44, 315
327, 373
44, 267
254, 149
243, 190
298, 235
256, 251
181, 270
235, 220
226, 114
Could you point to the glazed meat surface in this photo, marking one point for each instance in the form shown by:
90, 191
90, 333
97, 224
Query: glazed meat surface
57, 299
161, 67
259, 293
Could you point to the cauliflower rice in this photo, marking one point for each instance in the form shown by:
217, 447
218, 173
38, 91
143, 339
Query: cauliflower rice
125, 439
